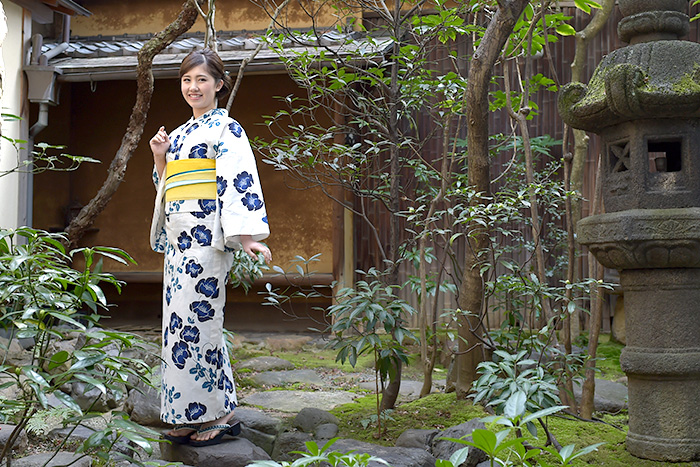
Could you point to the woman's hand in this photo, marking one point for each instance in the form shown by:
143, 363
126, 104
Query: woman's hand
160, 143
253, 248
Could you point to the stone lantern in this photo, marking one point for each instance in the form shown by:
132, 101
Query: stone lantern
644, 101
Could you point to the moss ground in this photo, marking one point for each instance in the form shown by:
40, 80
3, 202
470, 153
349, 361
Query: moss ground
443, 410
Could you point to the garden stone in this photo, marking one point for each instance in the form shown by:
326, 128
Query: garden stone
289, 442
151, 461
443, 449
281, 378
415, 438
263, 440
326, 431
143, 405
238, 452
610, 396
81, 433
396, 457
20, 443
290, 401
409, 389
266, 364
257, 420
61, 459
10, 392
25, 342
84, 398
309, 418
12, 352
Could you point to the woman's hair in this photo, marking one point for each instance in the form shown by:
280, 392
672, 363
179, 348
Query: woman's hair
213, 64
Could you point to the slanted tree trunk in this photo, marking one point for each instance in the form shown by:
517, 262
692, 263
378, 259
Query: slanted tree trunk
479, 178
137, 121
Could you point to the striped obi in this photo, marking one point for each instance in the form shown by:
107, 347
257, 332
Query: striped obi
190, 179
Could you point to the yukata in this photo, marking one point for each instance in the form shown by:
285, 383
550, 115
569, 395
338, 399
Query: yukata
198, 237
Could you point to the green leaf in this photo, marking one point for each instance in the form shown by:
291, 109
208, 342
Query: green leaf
68, 401
565, 30
58, 359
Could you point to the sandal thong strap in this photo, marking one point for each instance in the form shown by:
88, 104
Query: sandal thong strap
213, 428
189, 426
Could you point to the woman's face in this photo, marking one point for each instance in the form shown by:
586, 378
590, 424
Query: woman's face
199, 89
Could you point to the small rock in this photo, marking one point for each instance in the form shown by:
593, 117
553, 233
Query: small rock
266, 364
258, 420
61, 459
289, 442
396, 457
238, 452
81, 433
20, 443
443, 449
414, 438
281, 378
258, 438
326, 431
309, 418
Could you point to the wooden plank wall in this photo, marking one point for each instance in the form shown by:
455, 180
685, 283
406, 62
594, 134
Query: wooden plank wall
547, 123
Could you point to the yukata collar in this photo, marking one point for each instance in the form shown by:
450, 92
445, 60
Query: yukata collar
209, 113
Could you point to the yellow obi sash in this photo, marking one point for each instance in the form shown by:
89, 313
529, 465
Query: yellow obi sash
190, 179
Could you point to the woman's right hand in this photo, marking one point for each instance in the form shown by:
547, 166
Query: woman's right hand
160, 143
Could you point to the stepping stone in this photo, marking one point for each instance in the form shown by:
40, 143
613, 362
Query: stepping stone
266, 364
238, 452
293, 401
610, 397
396, 457
281, 378
61, 459
409, 389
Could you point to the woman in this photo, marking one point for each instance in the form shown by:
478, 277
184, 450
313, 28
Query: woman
209, 202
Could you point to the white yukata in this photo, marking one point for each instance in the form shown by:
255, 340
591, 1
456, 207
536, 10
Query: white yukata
198, 237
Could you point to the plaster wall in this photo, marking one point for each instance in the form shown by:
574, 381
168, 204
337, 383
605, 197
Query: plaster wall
13, 90
138, 17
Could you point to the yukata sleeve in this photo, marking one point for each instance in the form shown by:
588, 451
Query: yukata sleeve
239, 194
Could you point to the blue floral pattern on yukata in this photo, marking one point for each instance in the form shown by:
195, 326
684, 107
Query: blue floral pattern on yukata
198, 238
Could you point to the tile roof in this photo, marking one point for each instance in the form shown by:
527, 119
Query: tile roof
115, 57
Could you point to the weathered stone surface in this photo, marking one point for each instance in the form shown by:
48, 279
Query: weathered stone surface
13, 353
84, 395
143, 405
409, 389
266, 364
289, 442
326, 431
443, 449
281, 378
20, 443
80, 434
292, 401
309, 418
610, 396
396, 457
238, 452
415, 438
61, 459
258, 420
258, 438
618, 323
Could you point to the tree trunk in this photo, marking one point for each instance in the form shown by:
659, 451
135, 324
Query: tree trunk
479, 178
137, 121
580, 153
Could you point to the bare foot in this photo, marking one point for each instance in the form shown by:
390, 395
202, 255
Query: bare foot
197, 436
182, 431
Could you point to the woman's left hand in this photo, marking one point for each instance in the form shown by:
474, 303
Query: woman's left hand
253, 248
